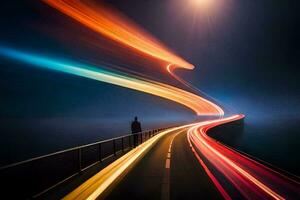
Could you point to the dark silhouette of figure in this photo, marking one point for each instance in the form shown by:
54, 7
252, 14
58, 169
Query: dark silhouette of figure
135, 128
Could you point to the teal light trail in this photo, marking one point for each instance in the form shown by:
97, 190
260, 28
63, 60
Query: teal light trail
198, 104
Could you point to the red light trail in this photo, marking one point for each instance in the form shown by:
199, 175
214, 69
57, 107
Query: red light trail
251, 178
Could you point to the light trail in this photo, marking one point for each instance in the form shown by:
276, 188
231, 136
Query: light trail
209, 173
116, 27
198, 104
251, 178
113, 25
99, 183
171, 67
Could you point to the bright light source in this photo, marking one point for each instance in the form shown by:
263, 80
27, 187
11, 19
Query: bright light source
201, 2
205, 4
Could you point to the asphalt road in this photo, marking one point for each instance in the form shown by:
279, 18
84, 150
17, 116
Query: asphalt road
164, 174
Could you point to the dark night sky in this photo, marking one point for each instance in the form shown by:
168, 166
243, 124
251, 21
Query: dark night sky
246, 55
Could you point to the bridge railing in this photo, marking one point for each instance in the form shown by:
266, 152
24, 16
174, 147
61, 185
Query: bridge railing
36, 176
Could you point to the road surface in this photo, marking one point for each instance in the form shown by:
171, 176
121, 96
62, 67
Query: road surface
154, 178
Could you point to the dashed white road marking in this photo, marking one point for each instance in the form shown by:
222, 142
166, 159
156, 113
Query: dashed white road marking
169, 155
165, 188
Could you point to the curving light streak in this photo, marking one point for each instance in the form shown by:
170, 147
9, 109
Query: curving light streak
210, 174
198, 104
170, 68
116, 27
252, 179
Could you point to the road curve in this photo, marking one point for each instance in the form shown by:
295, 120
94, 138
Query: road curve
185, 163
188, 163
249, 179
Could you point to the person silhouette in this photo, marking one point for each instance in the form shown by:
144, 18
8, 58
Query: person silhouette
135, 128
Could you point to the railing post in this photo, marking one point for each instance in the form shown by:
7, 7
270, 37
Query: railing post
122, 144
130, 141
100, 152
79, 160
141, 137
114, 146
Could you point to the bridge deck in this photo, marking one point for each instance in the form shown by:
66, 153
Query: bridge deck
152, 179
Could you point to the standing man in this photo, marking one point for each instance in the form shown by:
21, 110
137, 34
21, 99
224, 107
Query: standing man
135, 128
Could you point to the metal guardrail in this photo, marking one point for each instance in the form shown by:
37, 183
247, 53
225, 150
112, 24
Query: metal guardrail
36, 176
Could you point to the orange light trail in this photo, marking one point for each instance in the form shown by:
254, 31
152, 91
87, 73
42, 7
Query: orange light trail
114, 26
251, 178
170, 68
